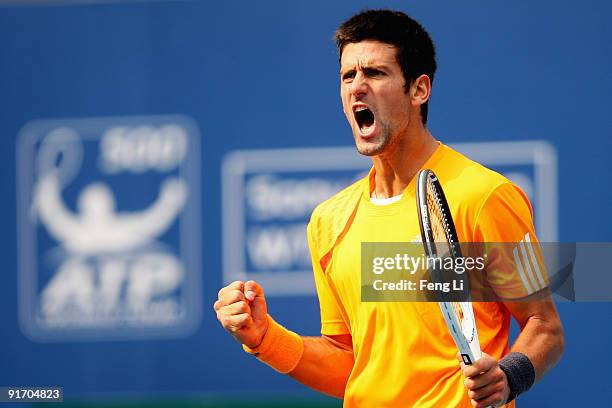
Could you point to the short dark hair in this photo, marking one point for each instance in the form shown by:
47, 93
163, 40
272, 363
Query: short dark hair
416, 54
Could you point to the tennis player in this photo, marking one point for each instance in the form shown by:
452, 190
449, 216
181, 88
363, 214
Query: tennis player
400, 354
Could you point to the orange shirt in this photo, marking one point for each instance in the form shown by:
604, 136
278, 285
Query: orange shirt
404, 354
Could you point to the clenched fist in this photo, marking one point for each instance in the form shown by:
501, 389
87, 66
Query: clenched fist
242, 311
486, 382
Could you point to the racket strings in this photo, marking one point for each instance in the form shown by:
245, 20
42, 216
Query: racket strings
440, 226
458, 311
465, 316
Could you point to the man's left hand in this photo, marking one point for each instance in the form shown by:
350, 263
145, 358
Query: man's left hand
486, 383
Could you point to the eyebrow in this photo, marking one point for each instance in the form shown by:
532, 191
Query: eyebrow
379, 66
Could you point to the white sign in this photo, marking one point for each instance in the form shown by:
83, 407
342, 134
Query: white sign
108, 215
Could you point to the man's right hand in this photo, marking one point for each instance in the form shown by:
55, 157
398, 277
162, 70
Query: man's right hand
242, 311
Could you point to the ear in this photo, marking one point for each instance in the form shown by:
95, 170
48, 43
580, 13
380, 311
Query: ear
420, 90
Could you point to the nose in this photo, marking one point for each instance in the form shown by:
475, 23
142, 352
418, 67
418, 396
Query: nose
359, 86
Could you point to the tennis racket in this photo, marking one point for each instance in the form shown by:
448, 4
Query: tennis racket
440, 240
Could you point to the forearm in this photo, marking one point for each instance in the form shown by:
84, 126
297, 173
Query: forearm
321, 363
541, 339
325, 365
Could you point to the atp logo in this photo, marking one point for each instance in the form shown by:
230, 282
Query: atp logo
108, 216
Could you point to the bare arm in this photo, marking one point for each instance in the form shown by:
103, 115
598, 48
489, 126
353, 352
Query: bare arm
541, 338
323, 363
326, 364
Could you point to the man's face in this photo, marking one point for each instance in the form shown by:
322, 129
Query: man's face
374, 99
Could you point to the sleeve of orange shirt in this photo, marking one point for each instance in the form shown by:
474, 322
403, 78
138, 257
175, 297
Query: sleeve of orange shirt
332, 321
514, 264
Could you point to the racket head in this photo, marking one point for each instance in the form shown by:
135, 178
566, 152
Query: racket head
440, 239
436, 222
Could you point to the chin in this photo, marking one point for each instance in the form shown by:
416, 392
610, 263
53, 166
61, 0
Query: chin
369, 148
372, 146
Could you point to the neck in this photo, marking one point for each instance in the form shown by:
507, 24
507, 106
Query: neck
395, 168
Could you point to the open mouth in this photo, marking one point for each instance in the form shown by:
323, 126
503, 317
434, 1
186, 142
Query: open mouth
365, 120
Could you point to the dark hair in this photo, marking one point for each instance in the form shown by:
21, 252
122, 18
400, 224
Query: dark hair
416, 54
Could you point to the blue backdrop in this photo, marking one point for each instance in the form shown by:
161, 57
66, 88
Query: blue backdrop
245, 75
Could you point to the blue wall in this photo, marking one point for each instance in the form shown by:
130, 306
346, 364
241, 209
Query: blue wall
261, 75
